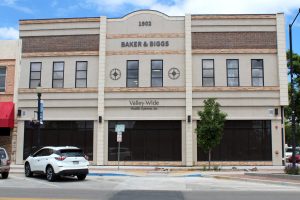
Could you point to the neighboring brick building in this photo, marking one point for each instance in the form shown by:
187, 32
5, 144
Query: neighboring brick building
9, 59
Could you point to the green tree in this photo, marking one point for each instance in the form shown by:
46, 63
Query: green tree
210, 126
288, 109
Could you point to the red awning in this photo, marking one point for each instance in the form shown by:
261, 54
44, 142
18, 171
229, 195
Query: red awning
6, 115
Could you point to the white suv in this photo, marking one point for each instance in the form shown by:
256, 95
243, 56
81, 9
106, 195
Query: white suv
56, 161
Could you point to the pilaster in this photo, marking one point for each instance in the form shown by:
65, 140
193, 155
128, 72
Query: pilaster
99, 157
188, 85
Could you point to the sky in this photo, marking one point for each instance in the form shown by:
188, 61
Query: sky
11, 11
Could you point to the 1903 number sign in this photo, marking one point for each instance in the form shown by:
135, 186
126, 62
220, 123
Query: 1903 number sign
144, 23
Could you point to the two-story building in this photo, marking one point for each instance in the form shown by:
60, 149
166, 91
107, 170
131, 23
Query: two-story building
9, 63
152, 72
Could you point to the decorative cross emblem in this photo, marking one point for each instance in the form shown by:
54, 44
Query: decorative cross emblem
115, 74
174, 73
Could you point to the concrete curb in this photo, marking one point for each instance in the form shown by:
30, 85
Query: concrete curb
257, 180
280, 176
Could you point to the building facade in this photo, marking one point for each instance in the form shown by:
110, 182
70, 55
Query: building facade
152, 72
9, 62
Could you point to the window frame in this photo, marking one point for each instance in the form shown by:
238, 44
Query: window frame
5, 74
63, 71
138, 70
40, 79
238, 69
213, 68
76, 71
263, 73
162, 72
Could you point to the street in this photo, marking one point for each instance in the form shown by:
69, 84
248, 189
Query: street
133, 188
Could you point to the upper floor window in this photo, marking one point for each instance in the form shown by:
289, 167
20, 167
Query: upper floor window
58, 75
81, 74
2, 78
35, 74
208, 73
232, 72
132, 73
257, 72
156, 73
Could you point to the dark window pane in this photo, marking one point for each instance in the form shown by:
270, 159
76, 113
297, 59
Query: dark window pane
208, 64
156, 73
257, 63
257, 72
208, 81
133, 64
157, 64
157, 82
232, 73
81, 66
4, 131
208, 73
81, 74
132, 73
34, 83
2, 71
233, 82
146, 141
58, 66
58, 75
2, 82
60, 133
231, 64
81, 83
257, 81
132, 83
243, 141
36, 66
58, 83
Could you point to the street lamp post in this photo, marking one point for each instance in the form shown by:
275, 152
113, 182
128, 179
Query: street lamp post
39, 95
292, 92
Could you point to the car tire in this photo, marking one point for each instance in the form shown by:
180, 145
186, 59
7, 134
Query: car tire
28, 172
4, 175
81, 177
50, 175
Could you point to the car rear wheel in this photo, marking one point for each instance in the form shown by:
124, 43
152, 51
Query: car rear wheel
4, 175
81, 177
50, 174
28, 172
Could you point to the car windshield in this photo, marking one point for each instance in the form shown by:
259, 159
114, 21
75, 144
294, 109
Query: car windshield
2, 154
71, 153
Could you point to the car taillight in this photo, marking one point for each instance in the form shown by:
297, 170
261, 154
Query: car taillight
8, 162
86, 157
61, 158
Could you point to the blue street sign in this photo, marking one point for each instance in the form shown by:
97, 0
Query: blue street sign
42, 112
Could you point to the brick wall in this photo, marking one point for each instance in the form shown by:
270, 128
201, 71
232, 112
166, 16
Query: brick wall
60, 43
9, 80
5, 141
234, 40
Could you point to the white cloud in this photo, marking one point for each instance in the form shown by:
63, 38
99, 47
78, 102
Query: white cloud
8, 33
228, 6
14, 4
180, 7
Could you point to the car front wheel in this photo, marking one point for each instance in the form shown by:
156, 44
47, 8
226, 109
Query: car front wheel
81, 177
50, 174
4, 175
28, 172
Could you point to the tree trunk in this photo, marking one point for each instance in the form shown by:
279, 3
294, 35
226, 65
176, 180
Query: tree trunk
209, 158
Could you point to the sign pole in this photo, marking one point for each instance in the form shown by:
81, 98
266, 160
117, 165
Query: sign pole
119, 128
119, 143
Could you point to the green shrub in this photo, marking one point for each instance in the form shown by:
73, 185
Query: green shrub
216, 168
204, 168
289, 169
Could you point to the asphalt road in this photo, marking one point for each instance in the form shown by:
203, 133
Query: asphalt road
142, 188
